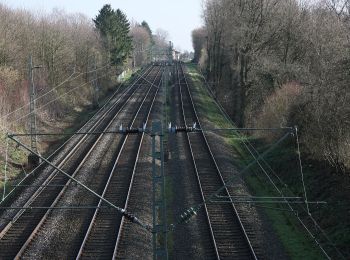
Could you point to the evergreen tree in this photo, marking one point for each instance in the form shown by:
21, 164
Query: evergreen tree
114, 28
145, 25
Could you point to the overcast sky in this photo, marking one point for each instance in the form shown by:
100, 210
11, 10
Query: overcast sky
178, 17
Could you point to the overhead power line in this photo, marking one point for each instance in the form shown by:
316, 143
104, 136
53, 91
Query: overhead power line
69, 78
51, 101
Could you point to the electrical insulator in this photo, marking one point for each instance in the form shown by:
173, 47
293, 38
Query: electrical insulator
171, 129
187, 215
130, 217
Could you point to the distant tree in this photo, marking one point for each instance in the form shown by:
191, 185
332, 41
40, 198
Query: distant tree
198, 42
186, 56
161, 38
253, 47
141, 44
145, 25
104, 21
67, 46
114, 28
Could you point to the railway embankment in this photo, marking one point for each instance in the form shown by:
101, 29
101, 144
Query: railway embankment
281, 168
17, 166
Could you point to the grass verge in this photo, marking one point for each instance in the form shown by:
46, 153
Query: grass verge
297, 243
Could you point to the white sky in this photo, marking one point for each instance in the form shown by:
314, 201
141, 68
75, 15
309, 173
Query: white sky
178, 17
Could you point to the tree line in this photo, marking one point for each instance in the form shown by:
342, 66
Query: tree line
282, 63
80, 61
72, 51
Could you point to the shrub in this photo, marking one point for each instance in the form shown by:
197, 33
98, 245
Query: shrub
277, 107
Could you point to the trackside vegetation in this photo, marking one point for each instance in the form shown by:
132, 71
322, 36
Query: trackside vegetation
296, 241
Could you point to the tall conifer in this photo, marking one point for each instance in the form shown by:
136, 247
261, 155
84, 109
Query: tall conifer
114, 28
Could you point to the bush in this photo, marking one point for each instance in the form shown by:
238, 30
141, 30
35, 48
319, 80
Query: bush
277, 108
9, 79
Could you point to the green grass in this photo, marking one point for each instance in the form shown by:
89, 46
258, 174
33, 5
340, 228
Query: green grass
297, 243
15, 155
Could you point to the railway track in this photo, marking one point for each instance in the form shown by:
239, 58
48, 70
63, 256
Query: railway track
111, 166
36, 179
227, 233
181, 174
104, 229
134, 242
70, 244
17, 235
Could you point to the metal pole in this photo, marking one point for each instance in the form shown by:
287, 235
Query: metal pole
170, 51
33, 160
165, 97
159, 232
96, 88
32, 120
5, 170
154, 222
164, 222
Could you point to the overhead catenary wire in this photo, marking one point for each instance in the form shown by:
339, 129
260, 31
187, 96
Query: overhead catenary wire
122, 211
301, 170
57, 98
263, 169
245, 141
37, 98
69, 78
58, 149
296, 212
15, 120
205, 141
18, 119
5, 169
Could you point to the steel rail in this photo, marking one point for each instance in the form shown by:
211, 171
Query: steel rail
45, 217
103, 110
96, 124
195, 167
70, 153
252, 252
255, 154
119, 237
89, 232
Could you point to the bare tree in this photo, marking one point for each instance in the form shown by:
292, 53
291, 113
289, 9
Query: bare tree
256, 46
141, 43
199, 38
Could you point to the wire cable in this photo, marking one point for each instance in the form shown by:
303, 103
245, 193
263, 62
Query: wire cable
51, 101
5, 169
53, 89
46, 93
301, 170
245, 141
